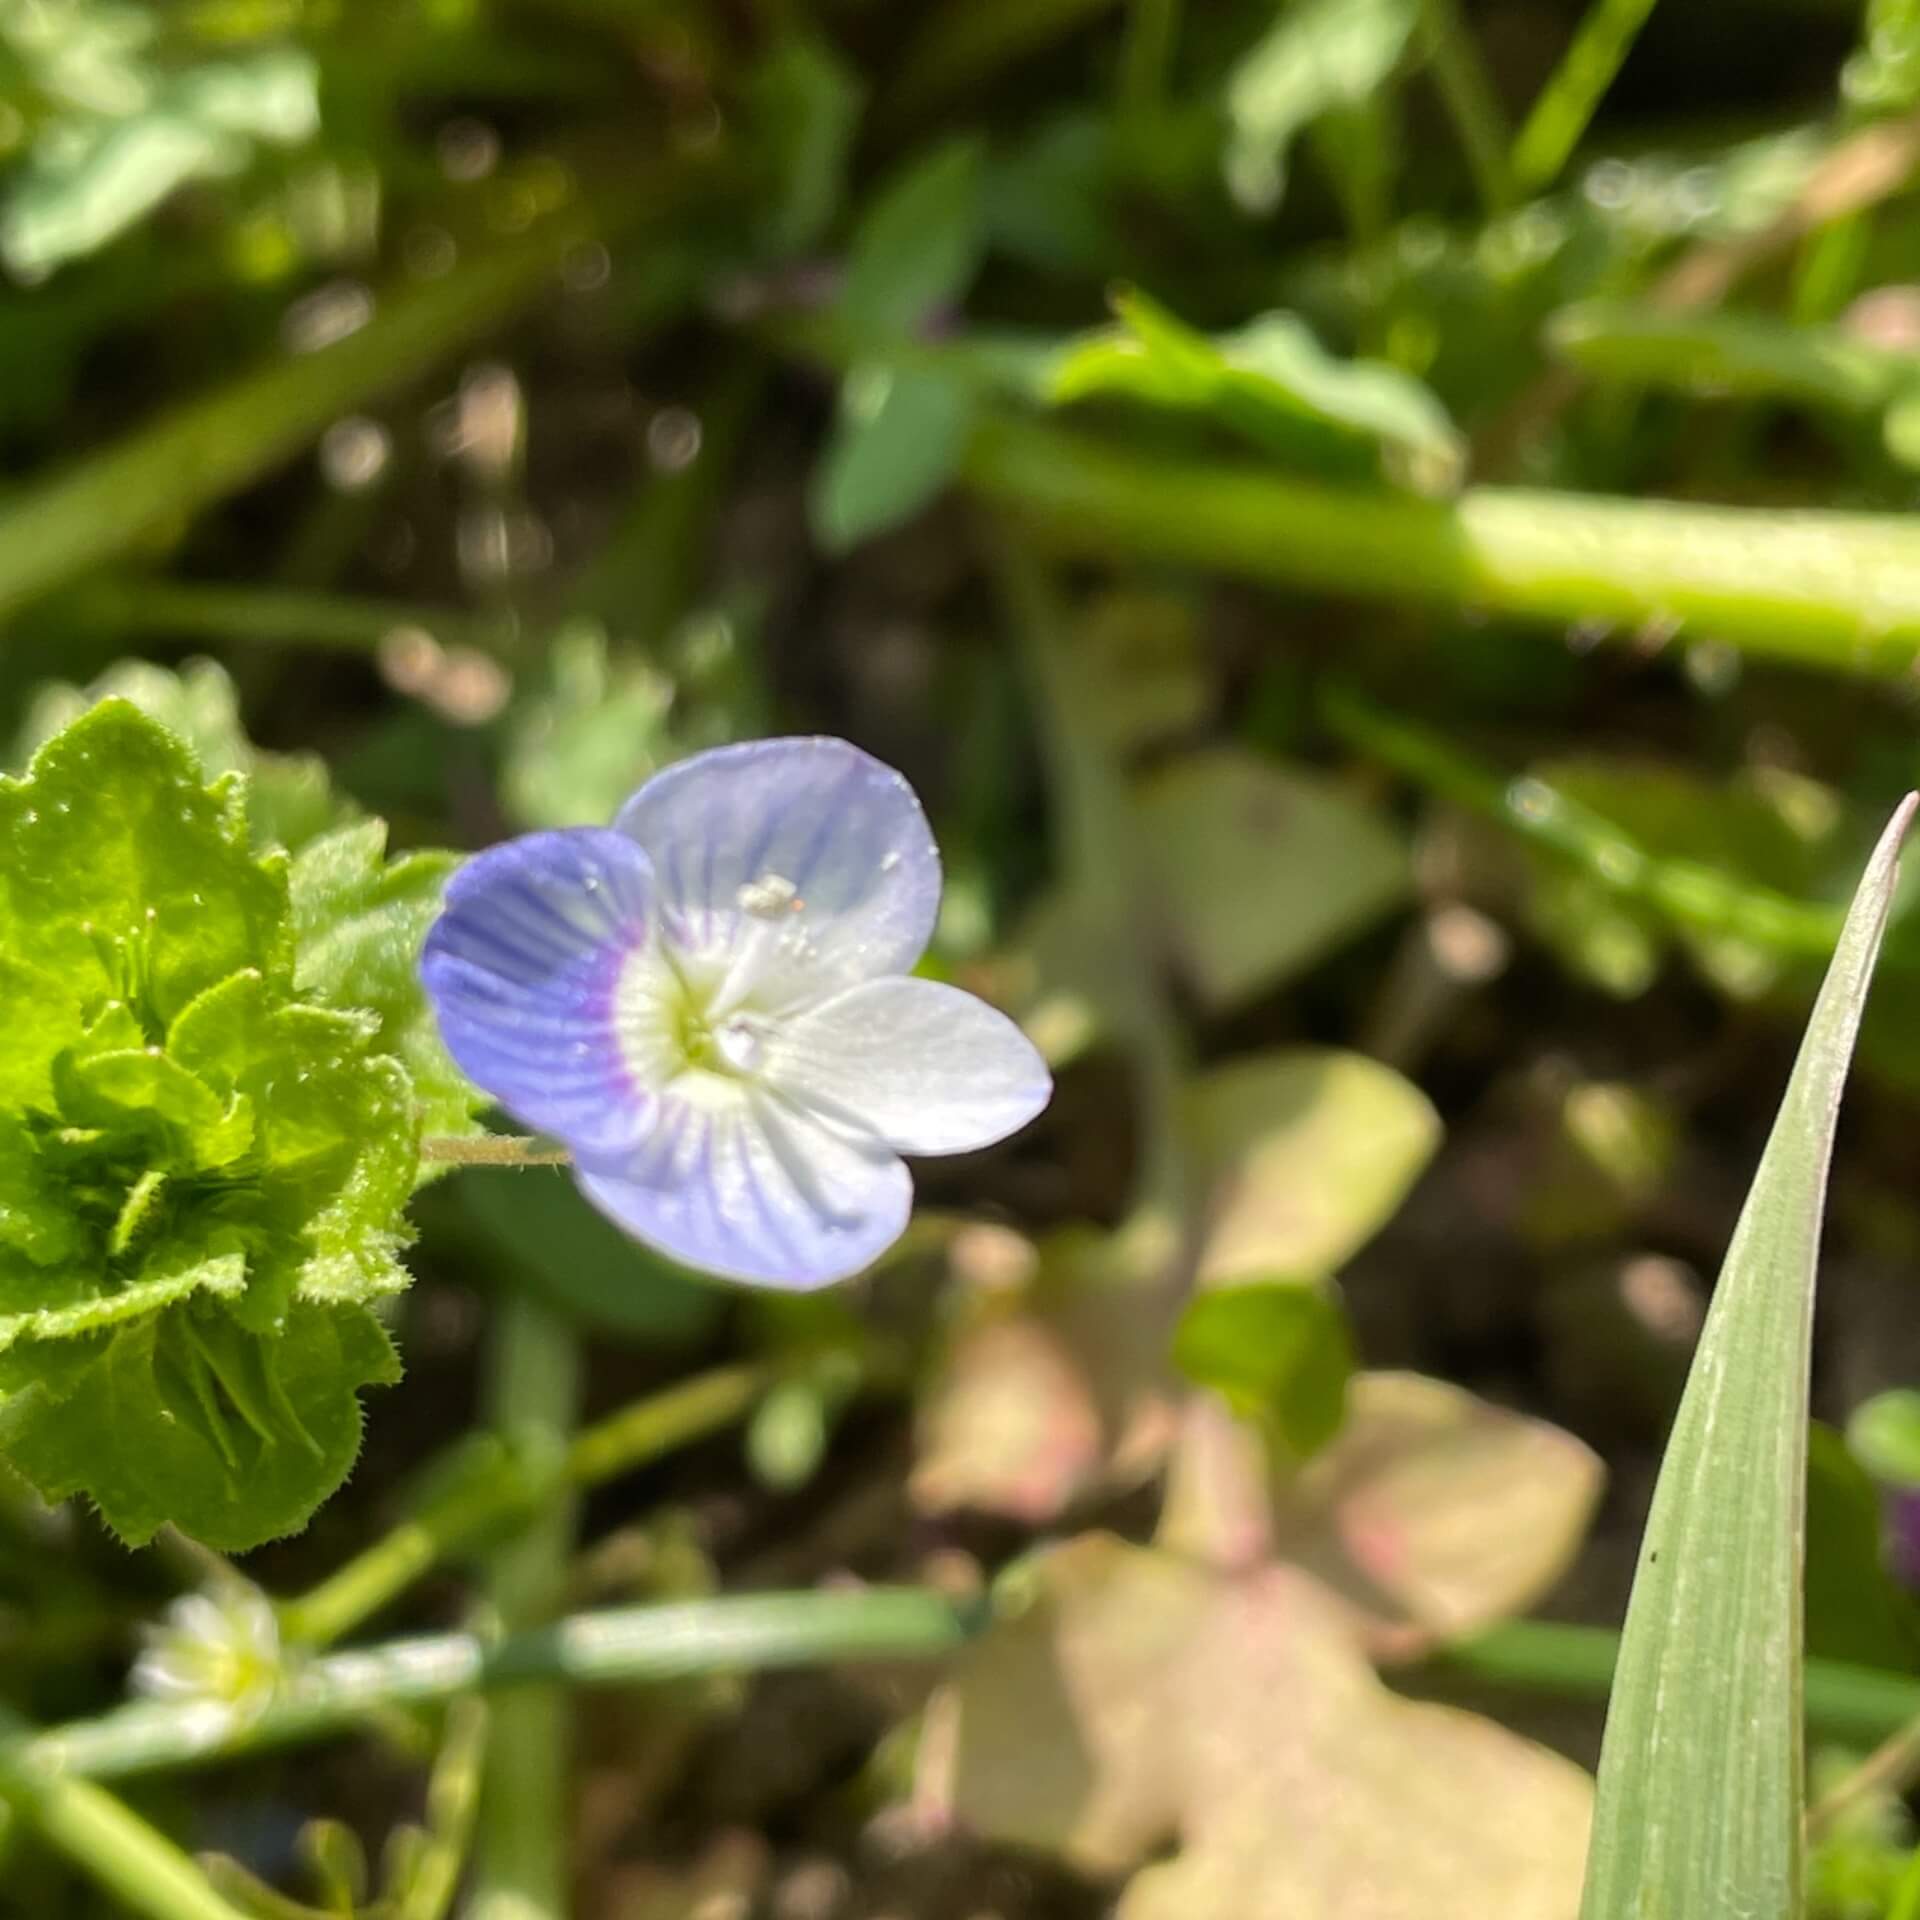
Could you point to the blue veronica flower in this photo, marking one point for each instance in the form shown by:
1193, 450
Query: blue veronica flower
709, 1003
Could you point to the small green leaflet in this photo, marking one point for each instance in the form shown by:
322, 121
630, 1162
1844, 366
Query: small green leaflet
203, 1170
289, 797
1278, 1353
901, 430
1701, 1786
1270, 383
1319, 55
1883, 1435
358, 920
895, 446
917, 246
144, 124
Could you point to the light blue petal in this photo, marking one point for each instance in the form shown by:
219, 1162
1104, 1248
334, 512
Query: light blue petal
523, 966
926, 1067
737, 1183
833, 837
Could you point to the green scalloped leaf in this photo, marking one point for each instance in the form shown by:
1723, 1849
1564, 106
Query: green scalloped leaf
75, 1302
359, 920
202, 1176
337, 1145
231, 1436
1273, 384
123, 876
290, 798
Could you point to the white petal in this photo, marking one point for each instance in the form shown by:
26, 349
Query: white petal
738, 1183
801, 865
926, 1067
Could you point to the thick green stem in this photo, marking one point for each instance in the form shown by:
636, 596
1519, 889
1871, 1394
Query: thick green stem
1153, 29
491, 1150
1687, 893
521, 1863
1576, 1663
1567, 103
1101, 871
487, 1488
1837, 591
106, 1840
57, 530
1467, 89
625, 1646
271, 616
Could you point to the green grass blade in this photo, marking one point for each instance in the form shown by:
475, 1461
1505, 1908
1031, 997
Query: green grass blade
1701, 1788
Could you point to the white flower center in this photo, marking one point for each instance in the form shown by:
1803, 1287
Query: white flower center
681, 1011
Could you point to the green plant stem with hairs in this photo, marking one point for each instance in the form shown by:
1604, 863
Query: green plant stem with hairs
485, 1488
106, 1840
1839, 592
1567, 102
1687, 893
1467, 89
340, 1693
521, 1870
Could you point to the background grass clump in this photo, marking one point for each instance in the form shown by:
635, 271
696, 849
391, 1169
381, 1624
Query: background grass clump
1383, 531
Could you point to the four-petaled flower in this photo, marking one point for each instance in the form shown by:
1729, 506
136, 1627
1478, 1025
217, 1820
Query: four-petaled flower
709, 1003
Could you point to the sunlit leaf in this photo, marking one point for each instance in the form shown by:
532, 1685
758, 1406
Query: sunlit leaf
1308, 1152
1011, 1424
895, 447
1701, 1773
359, 919
120, 872
1317, 55
1280, 1356
1883, 76
1050, 1387
1433, 1512
1129, 1701
233, 1437
1272, 383
204, 1175
289, 797
917, 246
1884, 1436
118, 151
1262, 870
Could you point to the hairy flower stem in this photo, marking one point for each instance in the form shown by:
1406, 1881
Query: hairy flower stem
485, 1486
1100, 872
106, 1840
1859, 1705
1838, 592
764, 1632
491, 1150
617, 1647
521, 1868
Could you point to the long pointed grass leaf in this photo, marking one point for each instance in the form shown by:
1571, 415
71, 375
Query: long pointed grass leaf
1701, 1772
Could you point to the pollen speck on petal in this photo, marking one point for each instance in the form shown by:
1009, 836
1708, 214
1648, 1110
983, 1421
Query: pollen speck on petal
811, 831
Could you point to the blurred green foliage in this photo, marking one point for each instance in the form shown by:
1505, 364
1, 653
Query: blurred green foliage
1382, 532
